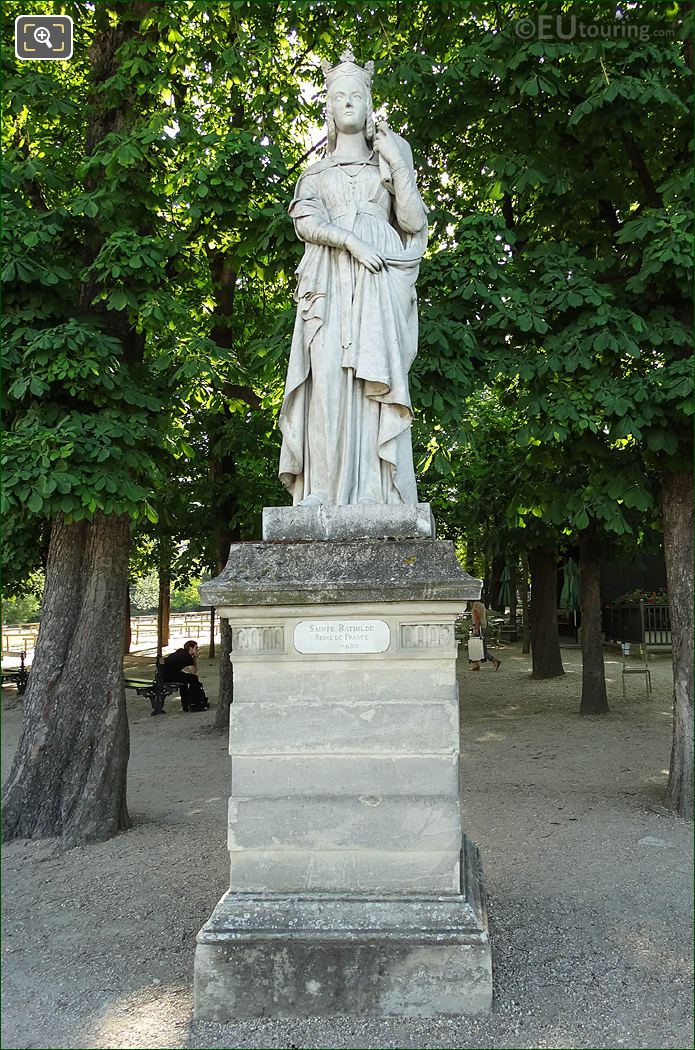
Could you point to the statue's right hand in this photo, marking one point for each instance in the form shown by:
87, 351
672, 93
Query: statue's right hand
366, 255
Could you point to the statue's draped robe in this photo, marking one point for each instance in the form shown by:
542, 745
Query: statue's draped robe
346, 414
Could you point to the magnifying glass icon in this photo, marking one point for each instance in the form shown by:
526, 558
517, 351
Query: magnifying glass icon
42, 36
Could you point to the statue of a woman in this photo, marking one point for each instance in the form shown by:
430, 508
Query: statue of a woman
346, 415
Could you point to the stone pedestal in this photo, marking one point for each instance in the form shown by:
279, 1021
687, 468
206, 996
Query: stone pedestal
352, 887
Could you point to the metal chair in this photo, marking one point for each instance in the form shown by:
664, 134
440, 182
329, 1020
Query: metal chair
640, 669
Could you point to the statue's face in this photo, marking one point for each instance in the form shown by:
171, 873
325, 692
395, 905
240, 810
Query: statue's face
349, 100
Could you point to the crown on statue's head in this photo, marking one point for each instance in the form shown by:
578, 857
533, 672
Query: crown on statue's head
348, 67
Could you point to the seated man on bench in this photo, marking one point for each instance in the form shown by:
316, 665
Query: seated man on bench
181, 666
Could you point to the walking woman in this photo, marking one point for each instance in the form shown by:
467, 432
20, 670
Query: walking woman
479, 618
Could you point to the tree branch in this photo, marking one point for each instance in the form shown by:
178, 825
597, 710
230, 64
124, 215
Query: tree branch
639, 164
242, 393
609, 215
687, 12
30, 186
306, 156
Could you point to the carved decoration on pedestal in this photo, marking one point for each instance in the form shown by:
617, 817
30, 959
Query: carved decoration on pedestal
427, 636
270, 638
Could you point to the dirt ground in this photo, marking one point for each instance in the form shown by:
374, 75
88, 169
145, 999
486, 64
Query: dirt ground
589, 882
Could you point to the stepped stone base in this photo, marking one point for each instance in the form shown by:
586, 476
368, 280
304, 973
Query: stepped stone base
352, 887
322, 954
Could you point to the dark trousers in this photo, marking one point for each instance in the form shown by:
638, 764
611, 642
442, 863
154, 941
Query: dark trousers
192, 692
487, 655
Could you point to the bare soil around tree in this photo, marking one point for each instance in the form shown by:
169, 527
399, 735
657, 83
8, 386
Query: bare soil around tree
588, 875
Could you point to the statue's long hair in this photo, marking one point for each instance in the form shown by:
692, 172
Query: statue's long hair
331, 133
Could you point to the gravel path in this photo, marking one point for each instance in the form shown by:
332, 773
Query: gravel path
589, 881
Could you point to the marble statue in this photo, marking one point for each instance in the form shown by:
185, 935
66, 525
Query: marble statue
346, 415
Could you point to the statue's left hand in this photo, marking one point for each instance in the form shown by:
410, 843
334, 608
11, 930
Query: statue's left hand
386, 144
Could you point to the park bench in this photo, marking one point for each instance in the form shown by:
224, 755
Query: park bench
19, 675
155, 691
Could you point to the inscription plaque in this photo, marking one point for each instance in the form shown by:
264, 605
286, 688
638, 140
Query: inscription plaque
342, 636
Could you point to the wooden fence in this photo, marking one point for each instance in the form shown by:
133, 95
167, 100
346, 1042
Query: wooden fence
646, 624
143, 630
19, 638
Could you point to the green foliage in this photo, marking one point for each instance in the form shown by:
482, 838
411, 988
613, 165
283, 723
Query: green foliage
187, 597
84, 425
565, 261
25, 607
149, 259
144, 593
637, 596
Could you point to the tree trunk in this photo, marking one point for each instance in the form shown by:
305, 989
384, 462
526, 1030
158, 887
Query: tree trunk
496, 583
545, 640
513, 575
677, 519
525, 612
127, 632
163, 608
211, 647
224, 511
226, 676
594, 699
225, 693
68, 777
